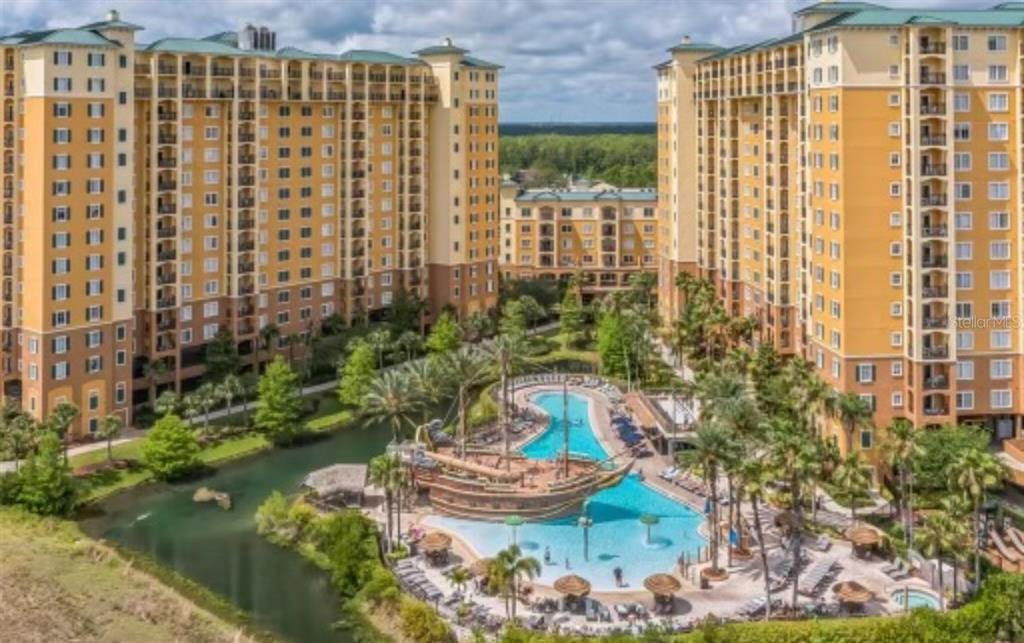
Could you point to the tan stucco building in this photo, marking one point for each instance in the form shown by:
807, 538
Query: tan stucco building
154, 194
857, 188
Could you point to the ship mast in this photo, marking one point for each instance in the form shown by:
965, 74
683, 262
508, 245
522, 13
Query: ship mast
565, 426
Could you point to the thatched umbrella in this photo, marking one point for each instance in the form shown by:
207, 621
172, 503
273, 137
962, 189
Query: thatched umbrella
572, 585
662, 584
852, 592
435, 542
648, 520
481, 567
863, 536
515, 522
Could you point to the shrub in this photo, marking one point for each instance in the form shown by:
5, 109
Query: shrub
421, 624
170, 450
44, 484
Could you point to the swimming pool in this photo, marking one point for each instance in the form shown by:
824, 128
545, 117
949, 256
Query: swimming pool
617, 538
917, 598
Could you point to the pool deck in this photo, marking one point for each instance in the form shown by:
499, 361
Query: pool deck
745, 579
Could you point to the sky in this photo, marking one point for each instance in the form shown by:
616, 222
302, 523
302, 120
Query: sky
564, 60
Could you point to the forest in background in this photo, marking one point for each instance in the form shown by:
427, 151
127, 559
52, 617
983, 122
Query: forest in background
624, 155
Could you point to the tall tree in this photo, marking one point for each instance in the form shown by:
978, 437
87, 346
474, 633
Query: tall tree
153, 370
903, 448
222, 357
445, 335
468, 368
110, 427
932, 539
379, 340
170, 449
853, 479
384, 470
426, 377
755, 476
279, 405
391, 400
853, 412
357, 374
712, 446
973, 474
479, 325
45, 484
230, 389
268, 335
508, 568
572, 319
60, 420
506, 351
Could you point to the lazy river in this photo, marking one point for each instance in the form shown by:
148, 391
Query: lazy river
617, 537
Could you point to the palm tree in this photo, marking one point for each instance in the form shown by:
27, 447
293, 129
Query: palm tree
506, 351
852, 411
409, 342
973, 473
904, 448
754, 476
459, 578
958, 511
428, 384
206, 397
508, 567
932, 539
391, 401
231, 387
60, 420
110, 428
853, 478
467, 367
384, 469
153, 370
379, 340
268, 334
797, 458
712, 446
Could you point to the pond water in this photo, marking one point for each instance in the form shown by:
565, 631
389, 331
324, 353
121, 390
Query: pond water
220, 549
616, 540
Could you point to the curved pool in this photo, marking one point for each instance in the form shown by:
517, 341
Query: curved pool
617, 538
915, 598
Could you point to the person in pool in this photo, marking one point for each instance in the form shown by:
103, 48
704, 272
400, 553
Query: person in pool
618, 576
547, 555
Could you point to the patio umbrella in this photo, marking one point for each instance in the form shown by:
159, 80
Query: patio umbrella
863, 537
515, 521
649, 520
480, 567
852, 592
662, 584
435, 542
572, 585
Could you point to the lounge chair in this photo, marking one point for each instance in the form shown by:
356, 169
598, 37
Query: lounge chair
822, 543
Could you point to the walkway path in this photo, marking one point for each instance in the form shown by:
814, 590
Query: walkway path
134, 434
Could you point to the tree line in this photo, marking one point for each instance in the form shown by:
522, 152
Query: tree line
624, 160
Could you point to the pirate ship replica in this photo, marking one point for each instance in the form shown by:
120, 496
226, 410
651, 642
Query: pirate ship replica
491, 484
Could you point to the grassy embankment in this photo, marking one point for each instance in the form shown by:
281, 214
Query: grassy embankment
329, 416
57, 584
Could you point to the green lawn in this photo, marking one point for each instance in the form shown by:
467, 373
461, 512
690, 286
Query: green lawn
330, 415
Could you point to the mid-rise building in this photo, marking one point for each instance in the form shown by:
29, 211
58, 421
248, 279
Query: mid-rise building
858, 190
154, 194
602, 236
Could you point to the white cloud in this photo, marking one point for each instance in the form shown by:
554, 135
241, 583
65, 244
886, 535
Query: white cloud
564, 59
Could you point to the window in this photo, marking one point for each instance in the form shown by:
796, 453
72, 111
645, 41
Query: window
997, 43
999, 279
998, 102
962, 131
964, 400
1001, 369
865, 373
964, 220
998, 161
1000, 340
961, 102
999, 221
961, 72
999, 250
997, 74
1002, 399
998, 132
62, 58
962, 161
965, 371
998, 190
961, 42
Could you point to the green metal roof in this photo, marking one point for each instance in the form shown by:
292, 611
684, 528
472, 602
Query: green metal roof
377, 57
837, 7
446, 48
82, 37
1003, 17
112, 24
470, 61
196, 46
1012, 6
694, 46
626, 194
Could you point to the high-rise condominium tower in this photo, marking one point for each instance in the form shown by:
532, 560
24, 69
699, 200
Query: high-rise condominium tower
856, 186
156, 194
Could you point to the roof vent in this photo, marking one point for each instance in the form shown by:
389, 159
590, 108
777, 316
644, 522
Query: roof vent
447, 42
687, 40
113, 15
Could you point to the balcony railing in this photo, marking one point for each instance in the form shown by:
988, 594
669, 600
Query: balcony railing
934, 200
935, 292
935, 352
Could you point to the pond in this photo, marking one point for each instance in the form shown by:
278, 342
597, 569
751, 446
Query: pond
284, 593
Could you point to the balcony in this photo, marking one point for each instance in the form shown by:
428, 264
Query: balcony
933, 78
933, 110
934, 323
166, 232
935, 231
934, 200
933, 169
935, 410
939, 382
939, 292
933, 48
166, 302
166, 255
936, 261
165, 278
166, 116
166, 162
166, 186
167, 208
167, 139
935, 352
934, 139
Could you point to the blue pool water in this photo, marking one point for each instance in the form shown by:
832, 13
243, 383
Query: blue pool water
917, 599
617, 537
